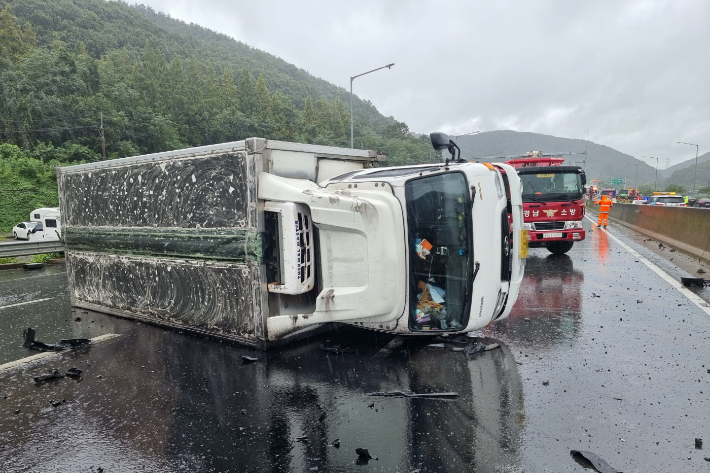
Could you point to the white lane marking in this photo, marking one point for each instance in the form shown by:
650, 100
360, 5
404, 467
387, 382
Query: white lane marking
50, 354
695, 299
23, 303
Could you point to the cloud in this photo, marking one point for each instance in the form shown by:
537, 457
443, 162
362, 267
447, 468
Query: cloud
632, 74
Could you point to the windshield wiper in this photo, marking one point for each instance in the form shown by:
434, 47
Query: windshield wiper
535, 200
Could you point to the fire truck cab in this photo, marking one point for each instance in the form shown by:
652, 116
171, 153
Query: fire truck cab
553, 205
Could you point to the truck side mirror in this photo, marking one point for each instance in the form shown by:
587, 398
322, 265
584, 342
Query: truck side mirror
584, 178
439, 141
442, 141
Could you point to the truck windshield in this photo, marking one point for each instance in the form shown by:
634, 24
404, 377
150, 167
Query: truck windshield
439, 219
550, 186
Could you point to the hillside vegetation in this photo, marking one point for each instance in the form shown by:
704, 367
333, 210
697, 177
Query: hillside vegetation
67, 67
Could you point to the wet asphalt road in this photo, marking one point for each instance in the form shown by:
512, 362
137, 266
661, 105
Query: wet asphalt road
600, 354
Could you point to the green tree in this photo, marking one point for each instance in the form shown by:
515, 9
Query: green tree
247, 96
309, 126
263, 104
675, 188
16, 41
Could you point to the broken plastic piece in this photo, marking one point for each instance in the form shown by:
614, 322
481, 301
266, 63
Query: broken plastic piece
597, 462
32, 344
336, 443
248, 359
700, 282
475, 347
363, 453
699, 444
74, 372
411, 394
55, 374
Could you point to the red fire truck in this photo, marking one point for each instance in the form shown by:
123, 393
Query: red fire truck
553, 205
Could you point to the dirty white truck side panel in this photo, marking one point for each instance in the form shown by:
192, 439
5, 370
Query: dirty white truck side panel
176, 237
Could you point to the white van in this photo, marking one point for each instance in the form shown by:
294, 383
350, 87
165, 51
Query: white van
49, 226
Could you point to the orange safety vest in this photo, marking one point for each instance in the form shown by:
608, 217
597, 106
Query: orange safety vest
604, 205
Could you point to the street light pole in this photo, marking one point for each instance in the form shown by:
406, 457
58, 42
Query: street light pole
655, 185
388, 66
696, 161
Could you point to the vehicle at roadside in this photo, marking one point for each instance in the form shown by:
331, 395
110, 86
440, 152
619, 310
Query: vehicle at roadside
703, 203
48, 225
553, 204
22, 230
262, 241
667, 199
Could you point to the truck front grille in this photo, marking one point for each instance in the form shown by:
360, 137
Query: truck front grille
549, 225
304, 230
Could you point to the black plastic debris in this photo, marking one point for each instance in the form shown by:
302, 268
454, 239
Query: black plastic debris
58, 403
701, 271
248, 359
336, 443
699, 444
302, 439
363, 453
64, 344
55, 374
475, 347
587, 459
74, 372
414, 395
700, 282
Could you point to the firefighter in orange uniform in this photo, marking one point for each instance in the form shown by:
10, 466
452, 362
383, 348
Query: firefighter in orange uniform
604, 205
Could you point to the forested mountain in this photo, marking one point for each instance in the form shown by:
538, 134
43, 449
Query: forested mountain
67, 67
689, 163
601, 162
685, 176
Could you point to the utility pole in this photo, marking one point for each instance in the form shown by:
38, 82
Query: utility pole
103, 139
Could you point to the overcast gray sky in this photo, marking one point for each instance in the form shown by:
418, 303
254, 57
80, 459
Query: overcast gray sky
634, 75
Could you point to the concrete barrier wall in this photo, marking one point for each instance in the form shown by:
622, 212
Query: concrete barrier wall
686, 228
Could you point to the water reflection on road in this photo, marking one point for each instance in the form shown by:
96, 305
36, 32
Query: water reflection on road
170, 401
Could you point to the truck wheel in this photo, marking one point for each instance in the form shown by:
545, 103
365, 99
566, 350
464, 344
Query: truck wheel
559, 247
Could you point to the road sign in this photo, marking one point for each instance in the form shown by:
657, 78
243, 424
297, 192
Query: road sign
617, 181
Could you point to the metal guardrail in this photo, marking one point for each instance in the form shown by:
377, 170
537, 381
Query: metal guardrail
27, 248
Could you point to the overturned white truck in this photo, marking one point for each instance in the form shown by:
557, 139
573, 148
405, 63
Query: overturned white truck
261, 241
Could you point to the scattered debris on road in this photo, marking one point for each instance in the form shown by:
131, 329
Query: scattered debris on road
699, 444
64, 344
597, 462
248, 359
54, 374
475, 347
414, 395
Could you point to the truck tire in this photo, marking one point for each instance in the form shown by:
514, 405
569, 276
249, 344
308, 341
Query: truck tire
559, 247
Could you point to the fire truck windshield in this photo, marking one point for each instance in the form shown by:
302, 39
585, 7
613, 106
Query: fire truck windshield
550, 185
439, 217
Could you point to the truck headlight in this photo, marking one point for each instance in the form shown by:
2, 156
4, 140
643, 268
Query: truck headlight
528, 226
573, 224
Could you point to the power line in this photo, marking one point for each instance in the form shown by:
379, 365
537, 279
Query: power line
50, 129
